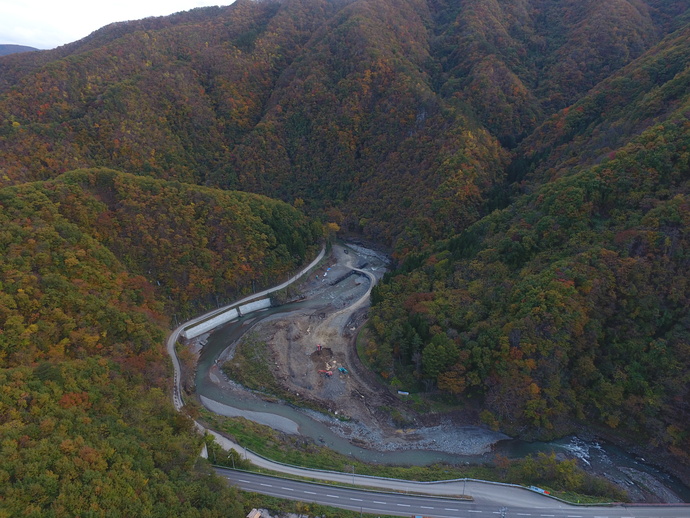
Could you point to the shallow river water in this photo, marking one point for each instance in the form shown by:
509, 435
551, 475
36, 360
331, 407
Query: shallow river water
599, 457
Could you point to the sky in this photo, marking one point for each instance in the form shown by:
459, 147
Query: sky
46, 24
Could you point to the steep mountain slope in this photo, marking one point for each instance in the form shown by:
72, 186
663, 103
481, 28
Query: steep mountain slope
85, 419
386, 113
570, 305
518, 60
407, 121
108, 232
160, 101
646, 92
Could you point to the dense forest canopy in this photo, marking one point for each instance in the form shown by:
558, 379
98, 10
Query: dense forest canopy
92, 264
395, 116
526, 160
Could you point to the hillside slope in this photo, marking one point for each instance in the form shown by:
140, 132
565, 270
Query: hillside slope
84, 300
526, 160
390, 115
570, 305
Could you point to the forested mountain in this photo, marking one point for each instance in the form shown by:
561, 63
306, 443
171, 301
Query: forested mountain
92, 264
527, 161
390, 113
6, 49
571, 304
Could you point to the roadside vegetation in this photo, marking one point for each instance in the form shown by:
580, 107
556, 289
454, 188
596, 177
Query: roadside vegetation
279, 505
563, 478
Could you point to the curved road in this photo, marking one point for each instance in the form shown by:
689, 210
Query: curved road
172, 339
489, 498
490, 505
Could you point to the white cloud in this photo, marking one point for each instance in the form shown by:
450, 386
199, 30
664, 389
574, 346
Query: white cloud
47, 24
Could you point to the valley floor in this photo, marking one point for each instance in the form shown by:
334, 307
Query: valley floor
355, 404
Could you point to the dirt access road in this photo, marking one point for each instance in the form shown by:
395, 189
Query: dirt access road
357, 397
305, 345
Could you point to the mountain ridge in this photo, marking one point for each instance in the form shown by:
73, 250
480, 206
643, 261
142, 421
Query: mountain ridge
9, 48
525, 160
243, 141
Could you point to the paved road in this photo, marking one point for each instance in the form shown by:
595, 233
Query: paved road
172, 339
489, 498
435, 507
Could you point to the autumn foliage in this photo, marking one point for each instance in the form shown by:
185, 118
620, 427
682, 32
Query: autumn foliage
525, 160
92, 265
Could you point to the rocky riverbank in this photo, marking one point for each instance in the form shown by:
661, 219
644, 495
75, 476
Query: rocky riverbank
355, 406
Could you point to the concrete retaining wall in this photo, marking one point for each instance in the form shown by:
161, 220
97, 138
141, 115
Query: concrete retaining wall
254, 306
225, 316
211, 323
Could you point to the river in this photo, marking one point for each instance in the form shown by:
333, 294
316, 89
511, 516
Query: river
478, 445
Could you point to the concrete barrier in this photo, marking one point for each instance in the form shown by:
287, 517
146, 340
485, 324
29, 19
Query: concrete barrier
254, 306
211, 323
226, 316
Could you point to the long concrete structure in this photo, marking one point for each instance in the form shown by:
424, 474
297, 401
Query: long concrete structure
227, 315
191, 324
254, 306
211, 323
211, 320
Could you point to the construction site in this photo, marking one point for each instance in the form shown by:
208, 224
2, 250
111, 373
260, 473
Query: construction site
320, 390
307, 348
312, 350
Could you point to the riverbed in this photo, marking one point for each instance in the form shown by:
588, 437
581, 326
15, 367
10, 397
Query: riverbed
364, 437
